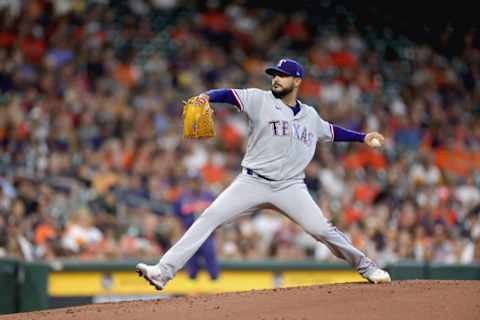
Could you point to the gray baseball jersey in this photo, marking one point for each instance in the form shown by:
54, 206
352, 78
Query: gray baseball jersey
280, 144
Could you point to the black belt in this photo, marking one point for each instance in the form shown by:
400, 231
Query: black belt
251, 172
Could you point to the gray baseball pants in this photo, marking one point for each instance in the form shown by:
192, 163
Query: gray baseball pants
248, 193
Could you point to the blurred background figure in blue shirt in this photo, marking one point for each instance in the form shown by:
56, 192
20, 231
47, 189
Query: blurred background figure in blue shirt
193, 200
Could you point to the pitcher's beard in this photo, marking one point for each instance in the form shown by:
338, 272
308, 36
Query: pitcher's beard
282, 93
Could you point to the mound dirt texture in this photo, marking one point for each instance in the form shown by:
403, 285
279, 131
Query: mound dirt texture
437, 300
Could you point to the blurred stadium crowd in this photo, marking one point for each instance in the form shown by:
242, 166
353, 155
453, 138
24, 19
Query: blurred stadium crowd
91, 155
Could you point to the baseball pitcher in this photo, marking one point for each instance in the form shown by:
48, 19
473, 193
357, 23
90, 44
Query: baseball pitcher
282, 139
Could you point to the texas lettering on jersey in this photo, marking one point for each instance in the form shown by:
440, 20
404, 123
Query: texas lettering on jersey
299, 132
280, 143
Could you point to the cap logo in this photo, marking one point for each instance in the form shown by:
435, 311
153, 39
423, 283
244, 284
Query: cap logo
281, 62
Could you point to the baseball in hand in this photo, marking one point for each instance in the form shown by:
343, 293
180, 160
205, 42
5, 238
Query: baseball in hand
375, 142
374, 139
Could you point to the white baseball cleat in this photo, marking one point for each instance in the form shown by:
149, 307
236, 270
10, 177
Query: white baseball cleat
152, 274
379, 276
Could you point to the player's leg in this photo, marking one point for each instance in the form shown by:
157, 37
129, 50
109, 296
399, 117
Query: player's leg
241, 196
296, 202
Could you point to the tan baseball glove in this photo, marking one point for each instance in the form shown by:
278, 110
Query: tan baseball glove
198, 118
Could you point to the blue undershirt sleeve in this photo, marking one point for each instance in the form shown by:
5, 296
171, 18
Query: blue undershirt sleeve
342, 134
223, 96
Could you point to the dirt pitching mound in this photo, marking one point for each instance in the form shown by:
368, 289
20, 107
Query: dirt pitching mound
437, 300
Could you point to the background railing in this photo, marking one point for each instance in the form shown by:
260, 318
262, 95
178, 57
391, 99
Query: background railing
27, 286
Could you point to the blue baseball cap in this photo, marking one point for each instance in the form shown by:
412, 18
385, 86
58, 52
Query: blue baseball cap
286, 67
